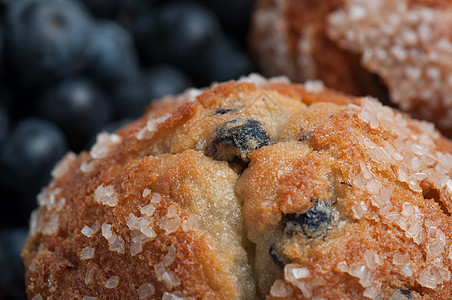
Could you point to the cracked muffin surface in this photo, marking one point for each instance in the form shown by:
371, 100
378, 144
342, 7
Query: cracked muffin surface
250, 189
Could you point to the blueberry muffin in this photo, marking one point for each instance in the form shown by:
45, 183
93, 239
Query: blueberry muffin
250, 189
394, 50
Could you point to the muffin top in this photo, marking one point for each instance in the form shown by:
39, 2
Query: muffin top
249, 189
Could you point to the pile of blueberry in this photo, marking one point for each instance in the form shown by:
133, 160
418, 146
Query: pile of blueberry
72, 68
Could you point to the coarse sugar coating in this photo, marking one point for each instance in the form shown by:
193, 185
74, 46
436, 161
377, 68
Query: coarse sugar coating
250, 189
400, 50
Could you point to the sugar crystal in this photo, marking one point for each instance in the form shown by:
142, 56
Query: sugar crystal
63, 165
280, 289
148, 231
172, 211
145, 291
87, 253
116, 243
51, 226
304, 288
146, 192
359, 209
401, 259
170, 225
191, 222
106, 195
314, 86
372, 291
170, 279
357, 270
87, 231
88, 276
112, 282
156, 198
106, 231
406, 270
136, 248
343, 266
173, 296
159, 270
148, 210
170, 256
104, 142
371, 259
427, 279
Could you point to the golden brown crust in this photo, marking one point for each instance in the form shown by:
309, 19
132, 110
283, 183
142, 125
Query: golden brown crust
324, 195
337, 67
397, 53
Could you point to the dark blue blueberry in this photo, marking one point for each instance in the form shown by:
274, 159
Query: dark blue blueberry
236, 139
46, 38
315, 223
112, 53
26, 158
224, 61
184, 31
131, 98
222, 111
12, 285
275, 257
405, 292
78, 106
30, 151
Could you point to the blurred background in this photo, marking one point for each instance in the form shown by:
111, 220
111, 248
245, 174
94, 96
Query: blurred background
72, 68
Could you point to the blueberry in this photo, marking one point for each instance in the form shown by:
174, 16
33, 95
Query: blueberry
185, 30
26, 159
12, 285
275, 257
29, 153
405, 292
132, 97
113, 57
224, 61
236, 139
78, 106
46, 39
315, 223
222, 111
